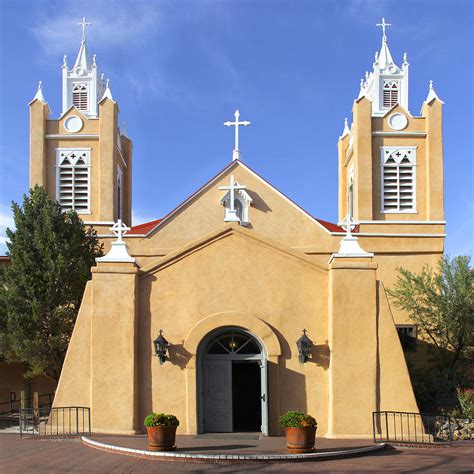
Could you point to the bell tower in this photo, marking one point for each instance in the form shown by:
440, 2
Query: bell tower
390, 161
83, 159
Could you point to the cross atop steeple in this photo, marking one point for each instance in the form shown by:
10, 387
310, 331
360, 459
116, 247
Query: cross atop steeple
84, 25
383, 25
236, 152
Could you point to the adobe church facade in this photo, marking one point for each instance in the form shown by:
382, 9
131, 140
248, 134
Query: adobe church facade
236, 272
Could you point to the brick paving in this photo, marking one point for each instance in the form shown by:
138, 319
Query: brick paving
41, 456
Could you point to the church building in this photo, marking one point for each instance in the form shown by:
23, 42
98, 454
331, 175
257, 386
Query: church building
238, 305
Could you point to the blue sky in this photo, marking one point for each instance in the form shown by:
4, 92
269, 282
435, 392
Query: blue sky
179, 69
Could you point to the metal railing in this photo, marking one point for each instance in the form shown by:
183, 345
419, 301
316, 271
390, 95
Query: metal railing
14, 404
411, 428
55, 422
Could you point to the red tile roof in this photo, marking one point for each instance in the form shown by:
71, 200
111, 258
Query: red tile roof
143, 228
5, 259
334, 227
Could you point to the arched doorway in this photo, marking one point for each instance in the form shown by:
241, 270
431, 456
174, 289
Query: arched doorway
232, 382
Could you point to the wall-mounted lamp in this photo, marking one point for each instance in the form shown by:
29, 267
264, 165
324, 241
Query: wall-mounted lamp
304, 345
161, 347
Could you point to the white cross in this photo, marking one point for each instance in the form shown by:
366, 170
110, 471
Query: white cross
233, 186
84, 26
236, 154
119, 229
383, 25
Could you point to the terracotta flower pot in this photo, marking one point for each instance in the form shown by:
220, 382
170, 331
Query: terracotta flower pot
161, 438
300, 440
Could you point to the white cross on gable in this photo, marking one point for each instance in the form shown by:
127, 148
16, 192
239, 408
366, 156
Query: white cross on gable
236, 153
233, 186
84, 26
119, 229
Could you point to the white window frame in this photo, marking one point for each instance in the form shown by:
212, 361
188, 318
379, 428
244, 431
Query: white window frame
68, 151
413, 164
81, 83
385, 81
119, 191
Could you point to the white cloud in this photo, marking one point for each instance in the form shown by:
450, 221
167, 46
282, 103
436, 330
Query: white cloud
6, 220
114, 24
140, 218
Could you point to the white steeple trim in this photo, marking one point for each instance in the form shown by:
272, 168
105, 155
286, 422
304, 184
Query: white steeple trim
119, 249
388, 83
39, 94
346, 130
81, 86
236, 193
107, 92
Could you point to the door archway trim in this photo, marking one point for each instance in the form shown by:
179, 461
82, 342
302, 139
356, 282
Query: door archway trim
220, 320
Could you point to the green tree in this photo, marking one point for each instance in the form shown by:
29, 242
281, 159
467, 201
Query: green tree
441, 303
52, 253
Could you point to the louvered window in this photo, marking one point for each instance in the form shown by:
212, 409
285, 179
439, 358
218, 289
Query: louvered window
390, 94
73, 180
79, 96
398, 179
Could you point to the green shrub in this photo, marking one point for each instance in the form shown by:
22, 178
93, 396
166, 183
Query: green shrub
466, 401
160, 419
297, 419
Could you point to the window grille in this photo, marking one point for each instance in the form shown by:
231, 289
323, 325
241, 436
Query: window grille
73, 180
398, 179
79, 96
407, 336
390, 94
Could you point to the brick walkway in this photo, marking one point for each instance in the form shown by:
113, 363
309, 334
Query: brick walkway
33, 455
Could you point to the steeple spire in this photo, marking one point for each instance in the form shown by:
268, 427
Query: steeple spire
39, 93
82, 60
384, 58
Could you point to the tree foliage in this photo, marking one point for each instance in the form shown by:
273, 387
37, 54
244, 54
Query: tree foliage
52, 253
441, 303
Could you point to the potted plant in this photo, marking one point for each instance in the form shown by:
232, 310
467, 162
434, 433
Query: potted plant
300, 431
161, 430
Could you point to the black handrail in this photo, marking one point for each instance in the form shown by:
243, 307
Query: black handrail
17, 401
55, 422
411, 428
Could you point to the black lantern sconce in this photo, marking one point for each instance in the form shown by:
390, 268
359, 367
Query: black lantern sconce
161, 347
304, 344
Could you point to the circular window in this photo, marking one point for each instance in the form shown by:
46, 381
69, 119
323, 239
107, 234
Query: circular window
397, 121
73, 124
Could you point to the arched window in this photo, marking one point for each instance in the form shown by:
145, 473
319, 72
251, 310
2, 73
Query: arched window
391, 94
79, 96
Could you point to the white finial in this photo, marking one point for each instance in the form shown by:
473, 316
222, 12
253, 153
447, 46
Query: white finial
93, 60
118, 251
84, 26
346, 130
376, 57
431, 85
431, 96
361, 83
405, 58
383, 25
236, 152
233, 186
108, 92
39, 93
40, 84
102, 77
65, 60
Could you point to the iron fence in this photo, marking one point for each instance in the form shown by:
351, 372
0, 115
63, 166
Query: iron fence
55, 422
411, 428
14, 404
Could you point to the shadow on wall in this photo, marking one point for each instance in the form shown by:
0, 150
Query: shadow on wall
258, 202
178, 355
145, 353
